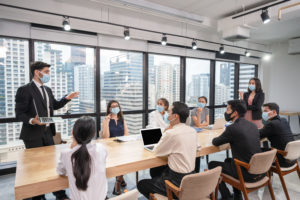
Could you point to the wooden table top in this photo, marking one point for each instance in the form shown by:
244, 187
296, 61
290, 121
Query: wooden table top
36, 168
289, 113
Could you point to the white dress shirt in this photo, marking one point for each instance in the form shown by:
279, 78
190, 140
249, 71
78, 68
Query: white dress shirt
180, 145
97, 183
38, 85
156, 121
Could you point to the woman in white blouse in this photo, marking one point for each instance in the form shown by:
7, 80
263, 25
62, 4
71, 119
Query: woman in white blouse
84, 163
159, 117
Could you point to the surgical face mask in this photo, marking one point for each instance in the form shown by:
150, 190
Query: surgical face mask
252, 87
115, 110
45, 78
265, 116
166, 118
160, 108
201, 105
228, 116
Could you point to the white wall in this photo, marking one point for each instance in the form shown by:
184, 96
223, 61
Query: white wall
281, 80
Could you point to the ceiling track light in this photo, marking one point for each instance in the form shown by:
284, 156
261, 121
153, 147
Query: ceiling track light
222, 50
126, 34
194, 45
164, 40
247, 53
265, 16
66, 24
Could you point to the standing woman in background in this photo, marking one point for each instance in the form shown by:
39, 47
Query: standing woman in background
159, 117
115, 125
254, 99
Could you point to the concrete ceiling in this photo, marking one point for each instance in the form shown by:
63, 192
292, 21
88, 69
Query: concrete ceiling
215, 9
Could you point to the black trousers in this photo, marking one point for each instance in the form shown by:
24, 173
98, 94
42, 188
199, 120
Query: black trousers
46, 140
157, 183
228, 167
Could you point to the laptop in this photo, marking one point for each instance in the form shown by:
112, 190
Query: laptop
50, 120
220, 123
150, 137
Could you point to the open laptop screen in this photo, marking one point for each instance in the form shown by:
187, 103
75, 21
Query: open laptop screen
151, 136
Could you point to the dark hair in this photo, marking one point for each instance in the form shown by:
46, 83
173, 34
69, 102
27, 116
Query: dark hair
165, 101
257, 85
83, 131
120, 114
182, 110
203, 97
37, 66
239, 106
272, 106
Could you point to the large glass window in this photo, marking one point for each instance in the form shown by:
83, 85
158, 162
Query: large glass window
121, 79
72, 69
164, 79
224, 85
247, 72
197, 80
14, 72
14, 68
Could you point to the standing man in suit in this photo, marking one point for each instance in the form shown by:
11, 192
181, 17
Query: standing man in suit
35, 100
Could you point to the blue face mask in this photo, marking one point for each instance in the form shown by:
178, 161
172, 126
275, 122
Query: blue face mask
45, 78
166, 118
252, 87
115, 110
201, 105
160, 108
265, 116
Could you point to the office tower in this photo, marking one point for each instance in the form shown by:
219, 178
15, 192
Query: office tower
200, 85
246, 73
84, 82
124, 83
13, 74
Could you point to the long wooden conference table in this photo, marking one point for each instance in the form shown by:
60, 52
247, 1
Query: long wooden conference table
36, 168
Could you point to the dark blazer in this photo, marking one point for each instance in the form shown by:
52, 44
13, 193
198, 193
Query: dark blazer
279, 133
257, 103
25, 109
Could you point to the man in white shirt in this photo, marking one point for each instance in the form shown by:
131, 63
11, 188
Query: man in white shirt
179, 143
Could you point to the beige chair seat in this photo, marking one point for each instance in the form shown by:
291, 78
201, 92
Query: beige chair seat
130, 195
161, 197
247, 184
287, 168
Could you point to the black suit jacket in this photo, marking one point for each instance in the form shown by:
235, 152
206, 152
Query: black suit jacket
257, 103
25, 109
279, 133
243, 137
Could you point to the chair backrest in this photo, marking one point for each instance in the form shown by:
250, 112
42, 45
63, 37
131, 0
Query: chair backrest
130, 195
293, 150
261, 162
57, 138
200, 185
188, 120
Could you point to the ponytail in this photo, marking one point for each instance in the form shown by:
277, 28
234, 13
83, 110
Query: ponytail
81, 163
83, 132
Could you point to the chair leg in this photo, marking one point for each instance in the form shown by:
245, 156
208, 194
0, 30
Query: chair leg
245, 193
298, 170
284, 186
271, 190
136, 177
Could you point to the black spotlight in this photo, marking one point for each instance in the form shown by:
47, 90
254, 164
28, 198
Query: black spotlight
265, 16
194, 45
66, 24
164, 40
222, 51
126, 34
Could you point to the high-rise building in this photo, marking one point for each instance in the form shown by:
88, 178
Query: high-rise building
124, 83
200, 85
246, 73
13, 74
